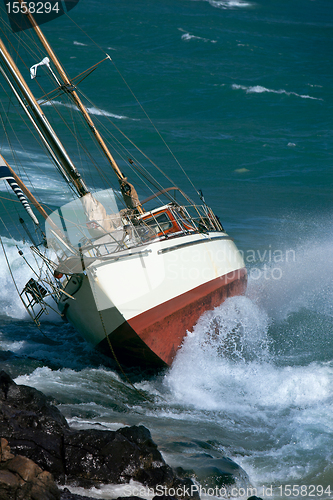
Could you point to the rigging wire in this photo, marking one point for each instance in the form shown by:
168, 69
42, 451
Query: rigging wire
147, 174
141, 394
148, 177
17, 228
139, 167
135, 168
57, 91
28, 46
13, 150
141, 106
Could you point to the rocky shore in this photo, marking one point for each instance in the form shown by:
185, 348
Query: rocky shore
40, 451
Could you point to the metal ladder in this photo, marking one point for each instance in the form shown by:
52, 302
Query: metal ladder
33, 295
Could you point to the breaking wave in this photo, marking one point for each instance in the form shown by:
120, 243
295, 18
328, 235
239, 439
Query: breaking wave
187, 36
258, 89
229, 4
91, 110
80, 44
11, 304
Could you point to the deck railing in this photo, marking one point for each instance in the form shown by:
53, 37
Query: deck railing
133, 230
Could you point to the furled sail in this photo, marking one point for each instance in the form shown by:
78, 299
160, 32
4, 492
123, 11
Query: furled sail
5, 174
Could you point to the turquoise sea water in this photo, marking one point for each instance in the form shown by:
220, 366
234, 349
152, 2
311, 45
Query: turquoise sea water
241, 92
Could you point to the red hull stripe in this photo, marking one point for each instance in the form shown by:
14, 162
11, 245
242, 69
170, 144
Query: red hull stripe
164, 327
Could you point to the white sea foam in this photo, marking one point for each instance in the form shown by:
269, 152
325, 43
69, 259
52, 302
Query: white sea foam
226, 373
227, 383
80, 44
10, 303
305, 281
229, 4
83, 423
258, 89
91, 110
188, 36
273, 418
230, 372
111, 491
86, 386
204, 377
13, 346
213, 357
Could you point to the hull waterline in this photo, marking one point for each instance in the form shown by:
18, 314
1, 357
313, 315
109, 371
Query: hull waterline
153, 338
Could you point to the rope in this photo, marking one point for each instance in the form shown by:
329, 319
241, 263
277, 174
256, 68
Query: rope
117, 361
141, 394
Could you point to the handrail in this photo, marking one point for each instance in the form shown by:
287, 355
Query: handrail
175, 188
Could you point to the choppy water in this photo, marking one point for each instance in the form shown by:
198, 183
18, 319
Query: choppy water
242, 93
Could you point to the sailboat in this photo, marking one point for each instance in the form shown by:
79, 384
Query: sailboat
132, 275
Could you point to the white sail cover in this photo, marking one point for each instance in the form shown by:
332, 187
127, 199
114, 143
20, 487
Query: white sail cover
80, 222
96, 215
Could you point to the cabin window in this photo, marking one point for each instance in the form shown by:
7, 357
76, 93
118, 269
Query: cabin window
160, 223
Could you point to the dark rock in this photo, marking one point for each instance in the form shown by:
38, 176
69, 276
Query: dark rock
32, 426
115, 457
254, 498
163, 497
36, 429
21, 478
130, 498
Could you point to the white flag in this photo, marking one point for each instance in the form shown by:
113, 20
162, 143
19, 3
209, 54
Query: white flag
33, 69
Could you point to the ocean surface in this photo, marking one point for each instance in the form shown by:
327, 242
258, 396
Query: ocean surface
241, 92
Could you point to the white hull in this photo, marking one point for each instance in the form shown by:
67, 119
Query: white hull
145, 283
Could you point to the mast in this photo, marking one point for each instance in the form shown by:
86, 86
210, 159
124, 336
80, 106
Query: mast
34, 123
128, 191
47, 130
